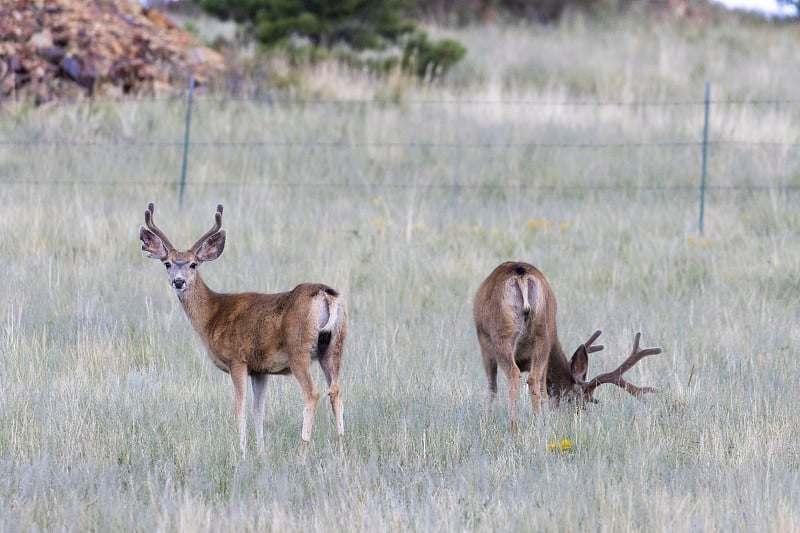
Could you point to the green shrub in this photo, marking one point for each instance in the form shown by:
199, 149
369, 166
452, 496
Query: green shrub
431, 59
358, 24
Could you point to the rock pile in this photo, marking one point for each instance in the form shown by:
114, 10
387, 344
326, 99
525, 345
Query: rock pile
54, 49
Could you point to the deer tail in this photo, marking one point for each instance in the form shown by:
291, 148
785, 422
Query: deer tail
329, 314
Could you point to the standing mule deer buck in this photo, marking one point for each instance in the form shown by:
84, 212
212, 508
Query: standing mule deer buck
515, 319
252, 334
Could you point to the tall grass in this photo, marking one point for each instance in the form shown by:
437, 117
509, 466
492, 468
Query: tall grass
111, 416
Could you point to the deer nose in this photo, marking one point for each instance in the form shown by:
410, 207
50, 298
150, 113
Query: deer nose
179, 283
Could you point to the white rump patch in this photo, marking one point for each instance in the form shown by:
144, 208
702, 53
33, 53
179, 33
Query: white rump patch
524, 294
327, 314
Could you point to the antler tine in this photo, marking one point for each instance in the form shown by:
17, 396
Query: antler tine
213, 230
148, 220
588, 344
615, 376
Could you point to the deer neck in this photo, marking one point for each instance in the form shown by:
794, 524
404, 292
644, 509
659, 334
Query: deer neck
198, 303
559, 374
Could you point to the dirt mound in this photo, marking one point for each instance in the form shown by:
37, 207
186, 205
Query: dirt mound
52, 49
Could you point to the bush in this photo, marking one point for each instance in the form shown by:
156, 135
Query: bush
359, 24
429, 59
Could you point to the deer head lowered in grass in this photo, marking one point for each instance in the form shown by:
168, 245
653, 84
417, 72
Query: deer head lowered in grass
515, 319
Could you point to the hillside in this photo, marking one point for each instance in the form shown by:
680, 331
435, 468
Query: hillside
653, 49
57, 49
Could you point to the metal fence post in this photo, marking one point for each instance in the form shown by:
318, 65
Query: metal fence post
186, 141
705, 154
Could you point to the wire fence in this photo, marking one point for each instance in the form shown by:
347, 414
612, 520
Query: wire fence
338, 145
765, 164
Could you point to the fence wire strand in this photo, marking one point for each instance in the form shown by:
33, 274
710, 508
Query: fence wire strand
453, 148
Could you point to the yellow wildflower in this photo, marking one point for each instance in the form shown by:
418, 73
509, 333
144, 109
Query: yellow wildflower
563, 446
701, 241
381, 223
540, 223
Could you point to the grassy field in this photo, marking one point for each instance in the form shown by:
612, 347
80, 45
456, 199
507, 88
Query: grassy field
113, 418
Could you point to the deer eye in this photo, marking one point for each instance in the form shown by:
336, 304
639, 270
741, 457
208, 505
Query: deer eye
193, 266
167, 264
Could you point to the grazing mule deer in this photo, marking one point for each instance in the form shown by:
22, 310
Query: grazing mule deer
257, 334
515, 318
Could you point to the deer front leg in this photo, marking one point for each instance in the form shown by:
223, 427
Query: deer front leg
239, 377
259, 384
537, 383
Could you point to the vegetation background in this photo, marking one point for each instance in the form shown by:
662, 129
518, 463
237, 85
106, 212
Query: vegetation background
574, 145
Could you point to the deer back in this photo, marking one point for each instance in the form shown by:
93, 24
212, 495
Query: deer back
261, 330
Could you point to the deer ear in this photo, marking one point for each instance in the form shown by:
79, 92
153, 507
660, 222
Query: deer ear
212, 246
579, 364
152, 244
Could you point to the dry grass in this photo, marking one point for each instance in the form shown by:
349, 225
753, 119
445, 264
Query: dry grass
112, 418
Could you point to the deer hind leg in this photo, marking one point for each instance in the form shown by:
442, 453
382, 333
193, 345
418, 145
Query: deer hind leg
501, 354
504, 359
302, 371
512, 373
330, 360
259, 384
490, 367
